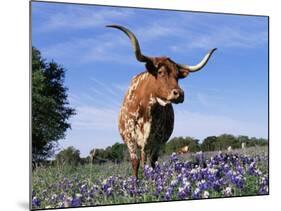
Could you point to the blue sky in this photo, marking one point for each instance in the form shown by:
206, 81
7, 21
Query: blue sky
228, 96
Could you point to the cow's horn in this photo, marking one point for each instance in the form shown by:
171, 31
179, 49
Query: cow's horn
200, 65
140, 57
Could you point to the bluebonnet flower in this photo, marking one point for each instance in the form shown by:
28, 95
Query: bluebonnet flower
239, 181
179, 177
168, 193
202, 185
185, 190
76, 202
35, 202
252, 168
240, 169
178, 166
148, 172
61, 197
221, 174
174, 183
185, 181
109, 191
159, 188
83, 188
132, 187
227, 191
157, 168
174, 157
181, 193
263, 189
196, 193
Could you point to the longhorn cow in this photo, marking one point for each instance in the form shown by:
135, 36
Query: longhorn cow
146, 118
182, 150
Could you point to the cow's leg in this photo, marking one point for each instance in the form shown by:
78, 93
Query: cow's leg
143, 160
134, 158
135, 164
153, 159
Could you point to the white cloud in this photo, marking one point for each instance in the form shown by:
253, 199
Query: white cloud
222, 37
179, 34
73, 17
210, 100
95, 118
104, 48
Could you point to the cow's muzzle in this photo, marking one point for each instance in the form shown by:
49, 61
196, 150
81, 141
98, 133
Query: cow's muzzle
176, 96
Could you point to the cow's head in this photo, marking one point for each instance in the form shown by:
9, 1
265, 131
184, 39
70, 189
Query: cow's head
166, 72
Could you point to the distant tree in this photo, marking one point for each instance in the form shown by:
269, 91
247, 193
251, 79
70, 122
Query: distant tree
69, 156
50, 110
262, 142
85, 160
243, 139
210, 143
100, 156
194, 145
226, 140
257, 141
222, 142
107, 153
100, 153
118, 152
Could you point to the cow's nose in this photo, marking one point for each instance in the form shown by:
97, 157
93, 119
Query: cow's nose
178, 95
176, 92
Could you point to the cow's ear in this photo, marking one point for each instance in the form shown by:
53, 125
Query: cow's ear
182, 73
151, 67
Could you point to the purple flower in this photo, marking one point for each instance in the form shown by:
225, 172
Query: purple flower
218, 175
181, 193
35, 202
174, 157
168, 193
238, 180
227, 191
174, 183
202, 185
185, 190
148, 172
263, 189
75, 202
196, 193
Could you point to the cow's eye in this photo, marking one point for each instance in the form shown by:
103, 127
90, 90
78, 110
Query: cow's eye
161, 72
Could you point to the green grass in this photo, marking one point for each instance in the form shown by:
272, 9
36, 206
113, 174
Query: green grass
49, 183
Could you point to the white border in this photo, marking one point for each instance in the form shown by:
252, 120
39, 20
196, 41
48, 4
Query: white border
14, 90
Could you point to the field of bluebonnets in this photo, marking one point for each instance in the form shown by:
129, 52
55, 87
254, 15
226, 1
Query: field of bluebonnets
191, 176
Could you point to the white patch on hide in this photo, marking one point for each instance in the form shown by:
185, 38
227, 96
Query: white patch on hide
162, 102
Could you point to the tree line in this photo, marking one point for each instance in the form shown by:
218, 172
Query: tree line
118, 152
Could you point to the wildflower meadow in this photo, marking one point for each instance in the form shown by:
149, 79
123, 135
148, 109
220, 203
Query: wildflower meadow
191, 176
